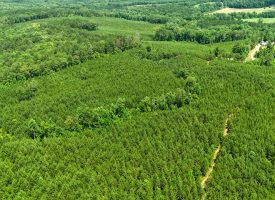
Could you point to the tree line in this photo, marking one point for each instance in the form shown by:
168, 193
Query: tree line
92, 118
246, 3
267, 55
203, 36
45, 54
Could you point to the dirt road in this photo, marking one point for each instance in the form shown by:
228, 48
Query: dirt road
254, 51
206, 178
210, 169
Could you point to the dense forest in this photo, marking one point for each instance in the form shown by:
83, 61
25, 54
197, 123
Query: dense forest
158, 99
246, 3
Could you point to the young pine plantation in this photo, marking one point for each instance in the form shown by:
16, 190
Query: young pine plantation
137, 99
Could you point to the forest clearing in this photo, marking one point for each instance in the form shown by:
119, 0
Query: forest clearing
263, 20
244, 10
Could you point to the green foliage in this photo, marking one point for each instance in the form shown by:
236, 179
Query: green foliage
266, 56
66, 133
83, 25
125, 43
50, 46
240, 51
96, 117
42, 130
182, 74
249, 151
191, 85
217, 52
170, 101
247, 3
27, 91
102, 116
204, 36
72, 124
156, 55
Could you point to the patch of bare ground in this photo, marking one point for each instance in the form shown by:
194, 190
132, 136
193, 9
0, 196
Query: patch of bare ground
249, 10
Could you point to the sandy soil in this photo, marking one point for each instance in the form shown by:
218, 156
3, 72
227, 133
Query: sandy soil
235, 10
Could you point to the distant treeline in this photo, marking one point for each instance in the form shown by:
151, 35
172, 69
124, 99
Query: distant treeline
137, 3
59, 55
156, 19
216, 28
246, 3
35, 14
31, 15
203, 36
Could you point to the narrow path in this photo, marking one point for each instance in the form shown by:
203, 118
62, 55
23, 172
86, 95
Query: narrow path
210, 169
226, 128
255, 51
207, 176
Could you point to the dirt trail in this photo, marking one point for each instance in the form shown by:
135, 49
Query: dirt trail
226, 127
254, 51
206, 178
210, 169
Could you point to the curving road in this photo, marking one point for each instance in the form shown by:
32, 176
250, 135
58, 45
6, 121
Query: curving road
254, 51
